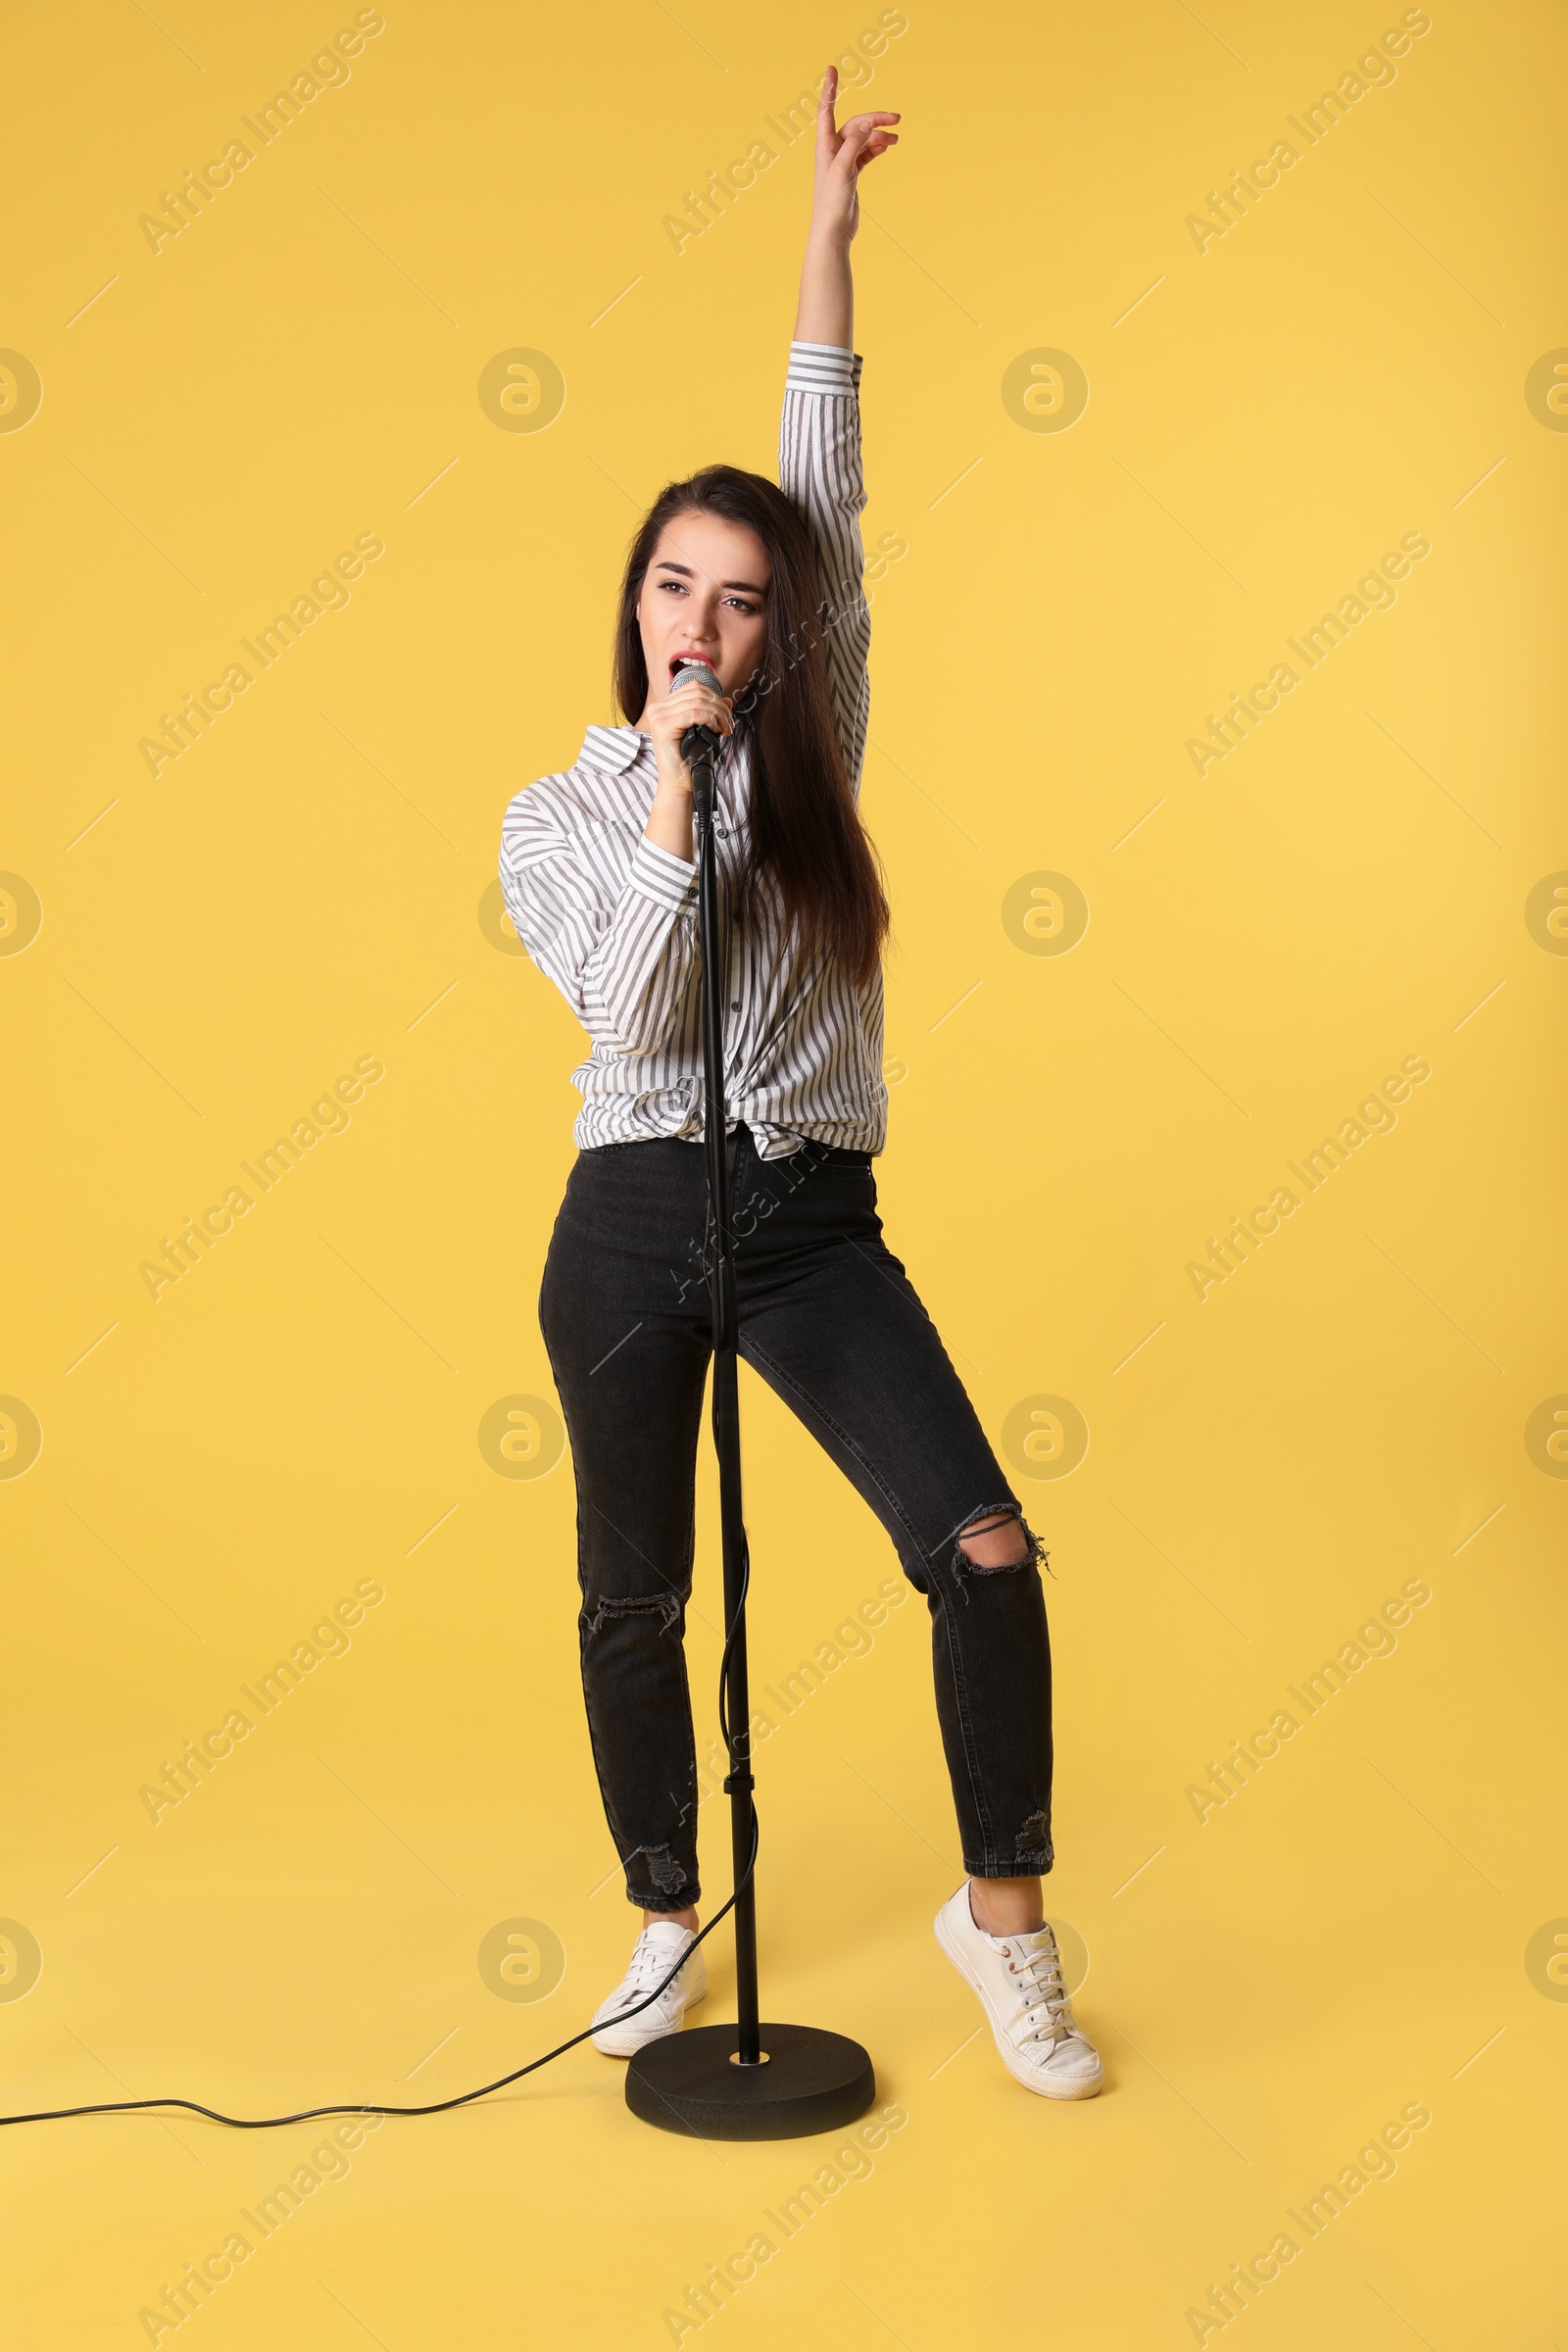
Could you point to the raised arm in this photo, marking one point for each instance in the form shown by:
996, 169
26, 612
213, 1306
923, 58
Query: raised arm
826, 309
819, 437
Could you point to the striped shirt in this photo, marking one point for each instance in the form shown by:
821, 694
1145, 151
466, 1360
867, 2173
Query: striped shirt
612, 918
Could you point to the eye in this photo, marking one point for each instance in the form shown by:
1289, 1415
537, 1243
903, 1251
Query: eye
675, 586
741, 605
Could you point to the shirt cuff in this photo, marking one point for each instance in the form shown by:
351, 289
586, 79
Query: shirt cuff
669, 881
823, 367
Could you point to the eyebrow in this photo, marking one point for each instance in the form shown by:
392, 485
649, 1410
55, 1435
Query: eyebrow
686, 572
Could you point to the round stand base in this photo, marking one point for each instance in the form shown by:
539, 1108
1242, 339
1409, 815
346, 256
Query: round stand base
814, 2080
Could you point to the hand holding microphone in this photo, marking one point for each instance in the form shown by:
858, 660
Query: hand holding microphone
695, 716
695, 713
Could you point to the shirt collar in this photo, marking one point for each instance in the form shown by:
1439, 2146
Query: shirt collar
611, 750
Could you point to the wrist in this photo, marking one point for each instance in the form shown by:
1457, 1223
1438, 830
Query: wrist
828, 245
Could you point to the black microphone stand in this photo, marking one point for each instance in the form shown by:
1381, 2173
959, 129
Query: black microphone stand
745, 2080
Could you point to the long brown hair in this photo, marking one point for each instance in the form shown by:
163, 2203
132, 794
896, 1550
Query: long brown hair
806, 838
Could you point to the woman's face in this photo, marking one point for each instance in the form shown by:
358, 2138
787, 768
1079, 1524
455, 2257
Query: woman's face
705, 598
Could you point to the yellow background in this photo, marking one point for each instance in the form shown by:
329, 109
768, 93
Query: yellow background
301, 888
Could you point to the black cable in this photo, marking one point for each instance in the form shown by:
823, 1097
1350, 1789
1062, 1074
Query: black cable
309, 2114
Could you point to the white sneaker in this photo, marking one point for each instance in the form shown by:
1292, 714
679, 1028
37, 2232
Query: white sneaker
1018, 1979
658, 1948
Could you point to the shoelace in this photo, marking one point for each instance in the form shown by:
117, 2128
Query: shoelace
649, 1962
1040, 1987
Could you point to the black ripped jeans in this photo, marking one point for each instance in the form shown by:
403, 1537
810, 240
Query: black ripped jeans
829, 1319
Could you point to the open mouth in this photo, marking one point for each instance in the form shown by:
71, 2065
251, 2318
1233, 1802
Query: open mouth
686, 660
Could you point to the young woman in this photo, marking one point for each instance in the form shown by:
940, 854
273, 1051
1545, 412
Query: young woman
763, 584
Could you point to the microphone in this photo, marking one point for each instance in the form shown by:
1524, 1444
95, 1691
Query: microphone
697, 739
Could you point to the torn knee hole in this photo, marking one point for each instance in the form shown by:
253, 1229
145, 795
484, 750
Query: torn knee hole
1003, 1538
665, 1606
1009, 1544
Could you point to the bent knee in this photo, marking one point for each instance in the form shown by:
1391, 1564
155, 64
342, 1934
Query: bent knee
996, 1539
664, 1611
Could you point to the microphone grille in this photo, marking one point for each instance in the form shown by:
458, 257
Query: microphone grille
698, 670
